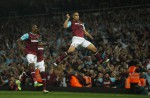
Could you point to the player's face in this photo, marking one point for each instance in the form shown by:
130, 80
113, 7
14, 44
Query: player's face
34, 28
76, 16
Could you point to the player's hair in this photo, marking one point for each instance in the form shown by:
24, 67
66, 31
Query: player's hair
32, 25
74, 12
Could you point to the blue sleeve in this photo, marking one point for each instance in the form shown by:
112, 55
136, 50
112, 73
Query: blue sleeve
69, 24
25, 36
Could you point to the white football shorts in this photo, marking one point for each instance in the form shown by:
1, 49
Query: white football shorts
40, 65
80, 41
31, 58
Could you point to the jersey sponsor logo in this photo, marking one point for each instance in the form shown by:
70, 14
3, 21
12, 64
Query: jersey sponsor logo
34, 41
106, 82
79, 24
40, 48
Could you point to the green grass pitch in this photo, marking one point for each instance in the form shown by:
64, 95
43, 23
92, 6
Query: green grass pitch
38, 94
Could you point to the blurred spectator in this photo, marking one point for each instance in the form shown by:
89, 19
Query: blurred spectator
4, 77
88, 80
100, 80
53, 79
74, 81
147, 75
107, 83
120, 81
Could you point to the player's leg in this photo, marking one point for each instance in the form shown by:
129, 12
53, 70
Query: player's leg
96, 53
75, 43
18, 83
41, 67
32, 61
19, 80
64, 55
92, 48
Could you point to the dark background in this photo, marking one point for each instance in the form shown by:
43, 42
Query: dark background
27, 7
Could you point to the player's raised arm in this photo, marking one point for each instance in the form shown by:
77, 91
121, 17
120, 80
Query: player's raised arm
66, 21
88, 34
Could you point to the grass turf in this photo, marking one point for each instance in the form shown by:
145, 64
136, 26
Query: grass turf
38, 94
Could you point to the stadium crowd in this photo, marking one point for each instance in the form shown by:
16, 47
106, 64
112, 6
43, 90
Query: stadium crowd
123, 35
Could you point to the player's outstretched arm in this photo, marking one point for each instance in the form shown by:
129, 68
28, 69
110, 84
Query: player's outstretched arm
19, 42
66, 21
88, 34
43, 44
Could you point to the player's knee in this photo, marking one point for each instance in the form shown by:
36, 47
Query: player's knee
70, 51
94, 50
31, 66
